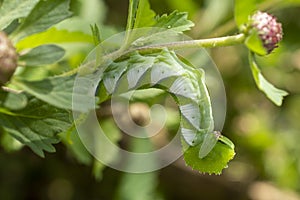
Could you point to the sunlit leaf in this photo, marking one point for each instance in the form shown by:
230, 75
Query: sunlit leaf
55, 36
213, 163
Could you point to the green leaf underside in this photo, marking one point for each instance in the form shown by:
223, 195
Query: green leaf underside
42, 55
274, 94
15, 9
36, 126
58, 91
44, 15
213, 163
254, 43
53, 36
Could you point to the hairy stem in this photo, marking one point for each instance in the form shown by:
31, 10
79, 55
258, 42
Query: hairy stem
204, 43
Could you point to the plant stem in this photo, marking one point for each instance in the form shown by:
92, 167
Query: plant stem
204, 43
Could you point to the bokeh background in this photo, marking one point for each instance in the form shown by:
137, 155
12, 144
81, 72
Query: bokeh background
267, 163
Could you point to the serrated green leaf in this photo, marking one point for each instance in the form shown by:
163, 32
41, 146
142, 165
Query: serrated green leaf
213, 163
176, 21
42, 55
44, 15
36, 126
58, 91
53, 36
254, 43
274, 94
244, 8
15, 9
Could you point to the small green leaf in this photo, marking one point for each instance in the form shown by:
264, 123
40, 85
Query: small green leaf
58, 91
213, 163
55, 36
244, 8
15, 9
274, 94
42, 55
254, 43
96, 34
36, 126
176, 21
44, 15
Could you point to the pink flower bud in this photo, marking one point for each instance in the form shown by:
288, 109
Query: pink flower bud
269, 30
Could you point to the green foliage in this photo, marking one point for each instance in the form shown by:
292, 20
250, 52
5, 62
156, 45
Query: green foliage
57, 91
42, 55
274, 94
39, 110
96, 34
213, 163
254, 43
14, 9
44, 15
36, 125
176, 21
140, 14
53, 35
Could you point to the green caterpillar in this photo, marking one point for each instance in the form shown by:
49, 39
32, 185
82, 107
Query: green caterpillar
164, 70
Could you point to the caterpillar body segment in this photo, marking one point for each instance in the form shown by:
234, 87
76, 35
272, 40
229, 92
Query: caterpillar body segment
164, 70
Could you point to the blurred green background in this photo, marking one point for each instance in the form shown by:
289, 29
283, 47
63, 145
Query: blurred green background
267, 163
